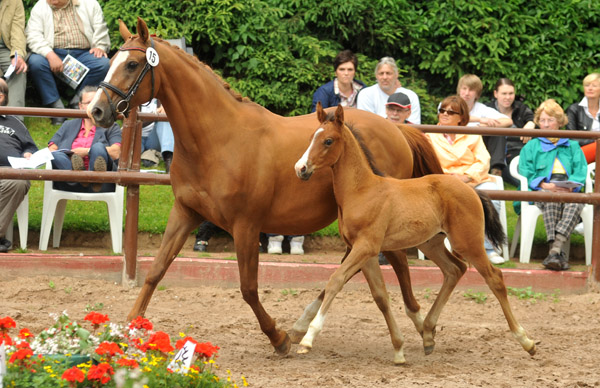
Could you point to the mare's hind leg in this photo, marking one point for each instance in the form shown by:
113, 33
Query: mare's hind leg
453, 269
399, 263
494, 279
374, 277
180, 224
245, 236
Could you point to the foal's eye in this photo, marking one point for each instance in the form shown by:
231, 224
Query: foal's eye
328, 142
132, 65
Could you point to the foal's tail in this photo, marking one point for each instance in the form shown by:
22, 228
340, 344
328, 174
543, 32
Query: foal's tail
493, 226
425, 160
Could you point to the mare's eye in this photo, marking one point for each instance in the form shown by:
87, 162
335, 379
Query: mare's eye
132, 65
328, 142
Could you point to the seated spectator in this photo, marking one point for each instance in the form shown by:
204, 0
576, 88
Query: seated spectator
585, 115
469, 89
157, 136
545, 162
343, 89
13, 49
90, 147
57, 28
374, 98
16, 141
504, 101
398, 109
464, 156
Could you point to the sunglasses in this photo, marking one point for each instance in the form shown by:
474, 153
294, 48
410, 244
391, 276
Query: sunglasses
448, 111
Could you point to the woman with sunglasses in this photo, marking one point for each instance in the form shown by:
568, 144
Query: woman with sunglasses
464, 156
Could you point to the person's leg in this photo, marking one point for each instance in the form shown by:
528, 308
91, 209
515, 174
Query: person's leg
274, 247
164, 133
205, 232
100, 161
61, 161
43, 79
494, 257
296, 245
496, 146
551, 212
12, 193
16, 83
98, 67
566, 224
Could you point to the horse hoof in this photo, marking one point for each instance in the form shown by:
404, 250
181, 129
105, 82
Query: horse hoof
428, 349
296, 336
285, 346
532, 350
399, 359
303, 349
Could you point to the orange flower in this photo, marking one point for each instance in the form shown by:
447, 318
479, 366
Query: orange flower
21, 354
141, 323
101, 372
205, 349
108, 349
5, 339
96, 319
132, 364
25, 334
6, 323
158, 341
73, 374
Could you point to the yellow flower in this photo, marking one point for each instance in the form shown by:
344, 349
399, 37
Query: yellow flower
182, 335
244, 380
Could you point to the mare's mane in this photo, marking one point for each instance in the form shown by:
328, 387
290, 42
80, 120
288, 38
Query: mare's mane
194, 60
366, 151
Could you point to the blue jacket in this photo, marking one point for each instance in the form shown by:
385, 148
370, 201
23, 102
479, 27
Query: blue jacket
327, 96
66, 134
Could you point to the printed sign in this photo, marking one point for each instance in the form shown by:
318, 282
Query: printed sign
152, 57
183, 359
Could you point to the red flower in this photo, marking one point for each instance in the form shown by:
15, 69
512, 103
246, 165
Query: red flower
158, 341
5, 338
25, 334
141, 323
21, 354
132, 364
73, 374
6, 323
23, 345
96, 319
108, 349
205, 349
101, 372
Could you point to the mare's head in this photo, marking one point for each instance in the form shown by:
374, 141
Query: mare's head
131, 79
325, 145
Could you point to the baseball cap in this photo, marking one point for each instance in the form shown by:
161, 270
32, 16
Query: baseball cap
399, 99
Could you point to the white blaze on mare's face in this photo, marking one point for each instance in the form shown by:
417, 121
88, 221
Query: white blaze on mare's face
119, 59
302, 161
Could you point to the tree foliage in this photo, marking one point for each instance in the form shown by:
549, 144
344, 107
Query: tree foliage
279, 52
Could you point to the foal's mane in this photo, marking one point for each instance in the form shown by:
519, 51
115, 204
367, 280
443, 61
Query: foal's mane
194, 60
366, 151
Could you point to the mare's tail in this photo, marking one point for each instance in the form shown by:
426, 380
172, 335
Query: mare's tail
493, 226
425, 160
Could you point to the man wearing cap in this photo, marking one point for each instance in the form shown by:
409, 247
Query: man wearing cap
374, 98
398, 108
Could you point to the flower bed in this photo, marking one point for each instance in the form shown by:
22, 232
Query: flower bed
110, 355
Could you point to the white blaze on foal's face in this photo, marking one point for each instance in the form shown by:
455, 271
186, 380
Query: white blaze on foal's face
119, 59
304, 159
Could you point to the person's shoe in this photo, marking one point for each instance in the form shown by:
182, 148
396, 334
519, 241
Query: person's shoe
552, 262
99, 165
495, 258
168, 158
578, 228
57, 120
274, 247
77, 163
4, 242
200, 246
296, 245
382, 259
564, 262
496, 171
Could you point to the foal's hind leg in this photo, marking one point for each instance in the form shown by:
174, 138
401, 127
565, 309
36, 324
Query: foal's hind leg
180, 224
452, 269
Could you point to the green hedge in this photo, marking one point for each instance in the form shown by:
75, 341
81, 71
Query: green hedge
278, 52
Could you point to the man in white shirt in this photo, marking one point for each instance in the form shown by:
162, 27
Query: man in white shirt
374, 98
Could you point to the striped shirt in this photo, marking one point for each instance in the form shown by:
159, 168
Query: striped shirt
67, 31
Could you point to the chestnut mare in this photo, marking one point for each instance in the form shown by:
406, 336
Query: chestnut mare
233, 162
378, 213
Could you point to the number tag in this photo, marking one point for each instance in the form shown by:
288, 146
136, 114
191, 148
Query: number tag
152, 57
183, 359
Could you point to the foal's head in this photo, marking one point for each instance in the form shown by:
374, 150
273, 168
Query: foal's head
326, 144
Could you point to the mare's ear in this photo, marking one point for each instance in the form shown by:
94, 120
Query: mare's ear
125, 34
320, 112
339, 116
142, 30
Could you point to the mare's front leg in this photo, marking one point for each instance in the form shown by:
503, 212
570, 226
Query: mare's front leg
180, 224
356, 259
245, 236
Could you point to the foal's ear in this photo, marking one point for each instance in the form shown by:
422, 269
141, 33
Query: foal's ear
125, 34
142, 30
320, 112
339, 115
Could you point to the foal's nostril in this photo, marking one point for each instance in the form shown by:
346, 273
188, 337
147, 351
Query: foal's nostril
303, 169
97, 113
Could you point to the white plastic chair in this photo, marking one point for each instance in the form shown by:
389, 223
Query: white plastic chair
500, 183
23, 221
55, 203
525, 227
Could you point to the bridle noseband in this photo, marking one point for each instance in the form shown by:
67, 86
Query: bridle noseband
122, 107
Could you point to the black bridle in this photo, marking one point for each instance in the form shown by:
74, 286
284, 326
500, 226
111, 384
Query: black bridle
122, 106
